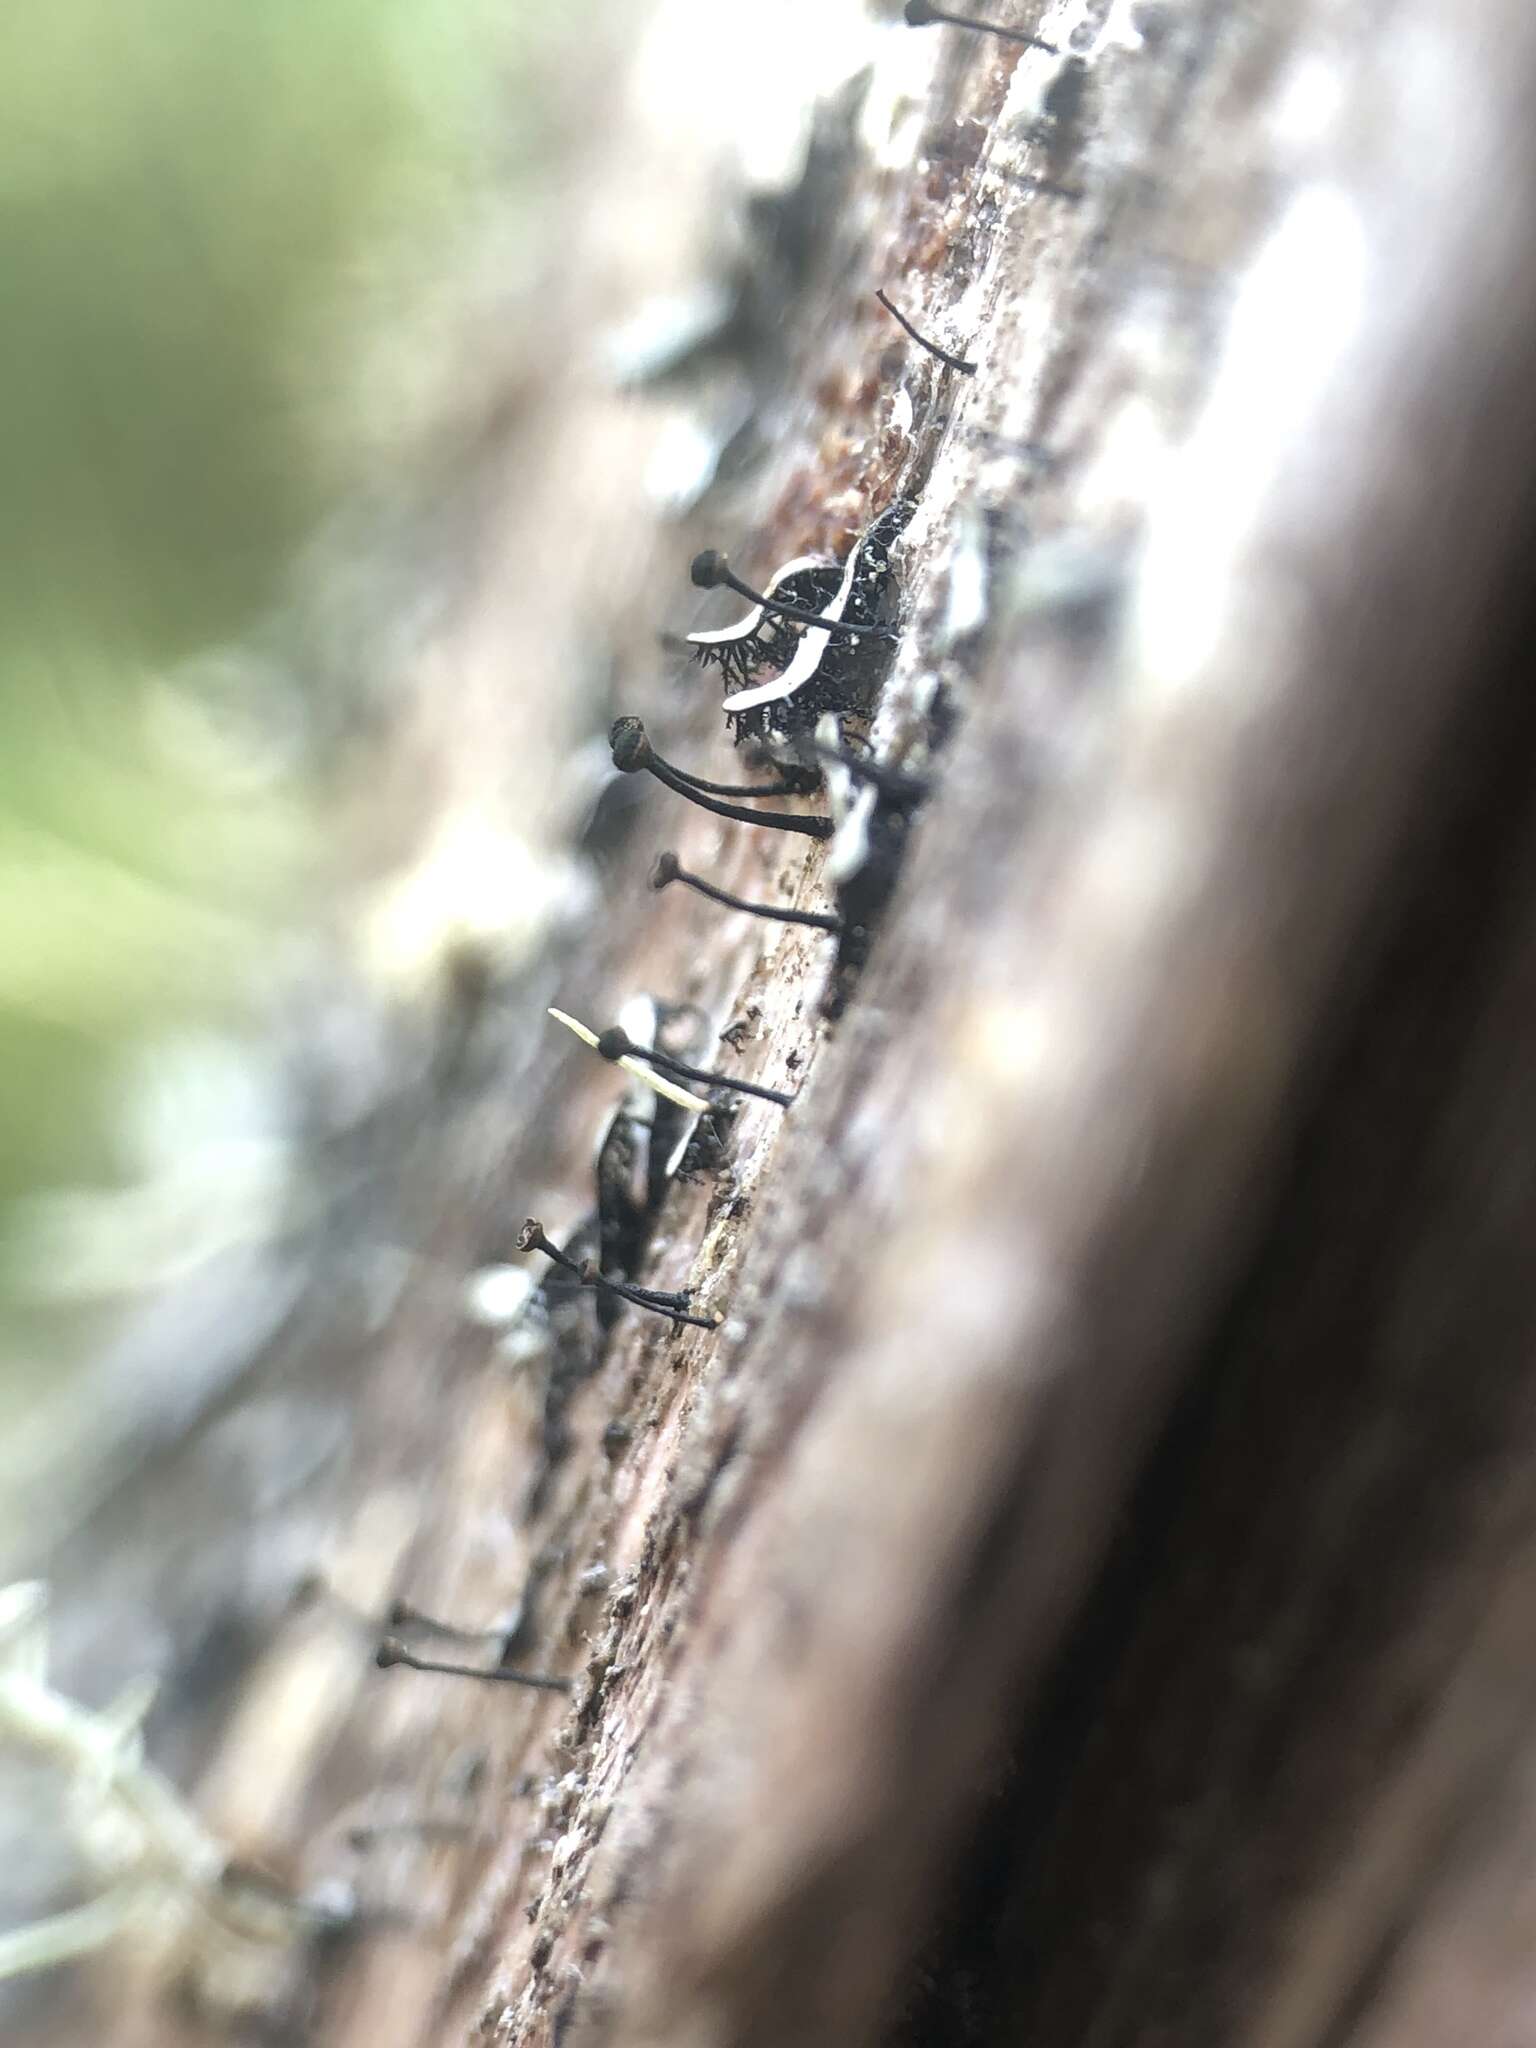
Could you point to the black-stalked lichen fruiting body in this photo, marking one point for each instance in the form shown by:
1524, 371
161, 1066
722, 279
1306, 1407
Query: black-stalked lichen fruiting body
760, 643
922, 14
835, 665
943, 355
632, 754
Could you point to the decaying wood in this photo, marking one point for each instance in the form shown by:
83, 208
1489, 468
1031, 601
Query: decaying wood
1080, 1594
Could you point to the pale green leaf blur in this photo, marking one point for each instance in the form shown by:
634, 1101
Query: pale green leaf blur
198, 200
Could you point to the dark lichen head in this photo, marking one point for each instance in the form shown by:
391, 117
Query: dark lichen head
629, 745
709, 569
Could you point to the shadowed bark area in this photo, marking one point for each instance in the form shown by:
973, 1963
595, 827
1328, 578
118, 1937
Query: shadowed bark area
1293, 1710
1080, 1593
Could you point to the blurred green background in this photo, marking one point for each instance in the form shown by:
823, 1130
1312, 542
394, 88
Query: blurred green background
208, 214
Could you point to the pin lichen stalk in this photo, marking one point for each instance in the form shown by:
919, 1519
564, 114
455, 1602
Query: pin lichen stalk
669, 869
920, 15
633, 754
392, 1652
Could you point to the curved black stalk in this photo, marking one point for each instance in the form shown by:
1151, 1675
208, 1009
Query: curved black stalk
645, 1297
669, 869
920, 15
616, 1044
391, 1652
633, 754
955, 362
711, 571
532, 1238
794, 781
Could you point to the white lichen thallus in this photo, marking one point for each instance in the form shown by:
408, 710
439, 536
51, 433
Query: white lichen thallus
161, 1872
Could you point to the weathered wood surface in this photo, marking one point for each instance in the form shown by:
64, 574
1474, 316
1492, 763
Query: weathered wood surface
1189, 1082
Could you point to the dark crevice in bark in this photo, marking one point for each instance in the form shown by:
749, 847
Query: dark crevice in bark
1288, 1417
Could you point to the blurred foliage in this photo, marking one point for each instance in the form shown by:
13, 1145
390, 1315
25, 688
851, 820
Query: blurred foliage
192, 193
